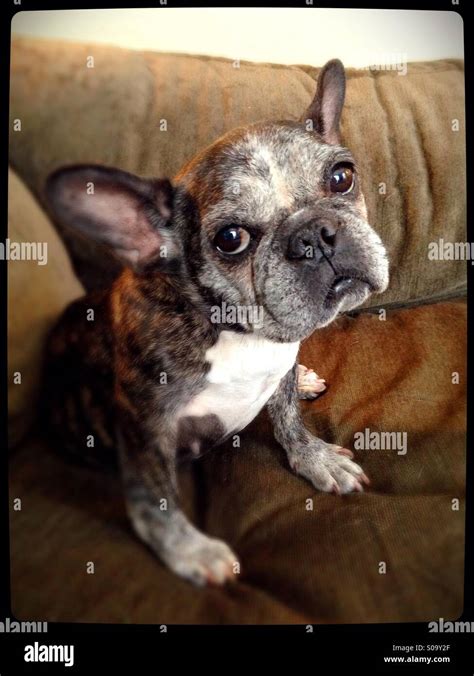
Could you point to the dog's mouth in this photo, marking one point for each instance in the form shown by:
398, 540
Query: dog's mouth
347, 284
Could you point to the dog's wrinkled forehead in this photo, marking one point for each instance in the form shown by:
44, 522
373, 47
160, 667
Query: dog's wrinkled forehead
261, 171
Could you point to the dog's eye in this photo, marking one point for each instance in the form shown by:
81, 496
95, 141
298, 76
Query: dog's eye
342, 178
232, 239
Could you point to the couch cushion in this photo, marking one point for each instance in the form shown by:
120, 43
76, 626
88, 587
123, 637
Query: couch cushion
400, 129
298, 565
36, 296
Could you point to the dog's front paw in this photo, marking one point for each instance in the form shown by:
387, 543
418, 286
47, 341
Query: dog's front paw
310, 385
329, 468
203, 560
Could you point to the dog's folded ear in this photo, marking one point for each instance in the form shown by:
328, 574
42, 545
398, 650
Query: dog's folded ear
326, 107
127, 214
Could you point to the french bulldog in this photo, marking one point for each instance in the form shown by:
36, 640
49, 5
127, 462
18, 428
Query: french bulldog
258, 241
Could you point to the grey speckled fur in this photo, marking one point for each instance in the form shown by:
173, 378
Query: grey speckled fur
153, 376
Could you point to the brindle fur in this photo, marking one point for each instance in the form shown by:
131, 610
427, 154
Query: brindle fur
126, 377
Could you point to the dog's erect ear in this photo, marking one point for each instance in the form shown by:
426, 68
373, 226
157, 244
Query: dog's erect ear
129, 215
326, 107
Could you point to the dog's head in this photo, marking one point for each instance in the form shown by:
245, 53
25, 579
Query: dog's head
271, 216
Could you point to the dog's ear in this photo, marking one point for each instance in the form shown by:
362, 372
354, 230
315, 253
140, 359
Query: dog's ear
326, 107
127, 214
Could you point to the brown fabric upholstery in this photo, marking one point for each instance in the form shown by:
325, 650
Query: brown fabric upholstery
297, 565
398, 127
37, 294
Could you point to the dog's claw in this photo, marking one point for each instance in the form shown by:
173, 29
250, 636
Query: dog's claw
310, 385
203, 560
330, 469
345, 451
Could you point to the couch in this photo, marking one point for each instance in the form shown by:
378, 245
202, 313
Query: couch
392, 554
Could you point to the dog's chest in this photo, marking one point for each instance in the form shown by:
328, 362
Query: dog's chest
244, 373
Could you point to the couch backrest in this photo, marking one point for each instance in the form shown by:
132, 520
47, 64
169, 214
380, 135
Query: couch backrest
406, 131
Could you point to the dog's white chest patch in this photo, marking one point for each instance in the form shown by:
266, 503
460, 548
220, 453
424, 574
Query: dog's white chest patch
245, 372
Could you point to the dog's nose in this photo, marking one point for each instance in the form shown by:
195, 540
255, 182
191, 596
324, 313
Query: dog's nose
313, 240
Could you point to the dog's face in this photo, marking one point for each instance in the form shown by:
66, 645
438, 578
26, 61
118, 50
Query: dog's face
283, 226
271, 216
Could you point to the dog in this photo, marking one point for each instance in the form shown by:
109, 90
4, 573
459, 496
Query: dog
269, 219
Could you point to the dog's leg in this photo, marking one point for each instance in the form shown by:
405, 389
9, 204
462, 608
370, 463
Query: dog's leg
151, 494
310, 385
327, 466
